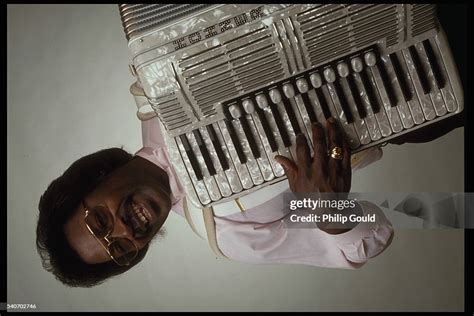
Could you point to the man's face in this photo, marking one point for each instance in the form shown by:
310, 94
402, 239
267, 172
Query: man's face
138, 197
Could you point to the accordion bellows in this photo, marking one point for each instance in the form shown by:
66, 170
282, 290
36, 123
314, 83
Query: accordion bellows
234, 84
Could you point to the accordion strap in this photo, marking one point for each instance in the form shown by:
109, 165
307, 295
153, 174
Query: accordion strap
207, 220
144, 110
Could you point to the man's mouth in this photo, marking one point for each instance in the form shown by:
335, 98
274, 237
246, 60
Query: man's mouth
141, 213
139, 217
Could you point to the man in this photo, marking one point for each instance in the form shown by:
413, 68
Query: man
98, 218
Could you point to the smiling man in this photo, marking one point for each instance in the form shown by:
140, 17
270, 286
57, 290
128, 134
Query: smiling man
97, 219
133, 203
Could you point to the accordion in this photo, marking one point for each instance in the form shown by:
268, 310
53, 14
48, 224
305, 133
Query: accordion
232, 85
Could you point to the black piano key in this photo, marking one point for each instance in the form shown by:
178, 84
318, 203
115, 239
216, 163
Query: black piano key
205, 153
343, 102
374, 103
419, 69
279, 122
217, 147
290, 112
323, 103
236, 141
267, 130
440, 82
309, 107
192, 158
392, 99
356, 96
402, 82
250, 137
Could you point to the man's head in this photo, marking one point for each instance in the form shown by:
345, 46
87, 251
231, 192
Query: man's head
127, 196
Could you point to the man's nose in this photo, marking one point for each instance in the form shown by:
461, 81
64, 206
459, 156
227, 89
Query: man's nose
121, 229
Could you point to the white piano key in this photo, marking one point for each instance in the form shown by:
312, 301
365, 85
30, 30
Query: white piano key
447, 91
370, 119
337, 113
370, 59
249, 106
359, 123
231, 173
252, 164
242, 170
343, 69
255, 120
381, 116
209, 180
414, 103
289, 90
402, 106
392, 112
262, 101
234, 111
316, 80
300, 110
285, 119
425, 100
221, 179
199, 186
357, 64
317, 107
299, 104
435, 95
329, 75
265, 162
275, 96
265, 166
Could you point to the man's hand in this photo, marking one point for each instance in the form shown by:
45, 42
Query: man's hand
319, 173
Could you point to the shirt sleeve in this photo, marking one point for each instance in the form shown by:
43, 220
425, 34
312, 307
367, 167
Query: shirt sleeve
275, 243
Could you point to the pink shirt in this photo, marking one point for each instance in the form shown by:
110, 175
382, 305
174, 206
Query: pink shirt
259, 235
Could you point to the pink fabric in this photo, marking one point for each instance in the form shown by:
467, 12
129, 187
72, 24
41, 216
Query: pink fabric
259, 235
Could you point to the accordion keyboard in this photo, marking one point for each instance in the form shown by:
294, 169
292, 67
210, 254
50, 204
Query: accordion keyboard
375, 93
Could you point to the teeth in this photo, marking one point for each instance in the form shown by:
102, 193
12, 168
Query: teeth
139, 211
147, 213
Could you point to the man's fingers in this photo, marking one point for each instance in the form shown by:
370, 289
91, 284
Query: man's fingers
320, 148
346, 159
346, 166
288, 165
303, 155
335, 141
334, 133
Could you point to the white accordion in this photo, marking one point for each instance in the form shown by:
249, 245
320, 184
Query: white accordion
232, 85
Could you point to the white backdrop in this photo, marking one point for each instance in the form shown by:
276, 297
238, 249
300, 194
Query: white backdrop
68, 96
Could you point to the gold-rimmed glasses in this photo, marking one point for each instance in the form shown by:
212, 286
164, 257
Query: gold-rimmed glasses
100, 223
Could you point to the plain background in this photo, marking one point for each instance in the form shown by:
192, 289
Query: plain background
68, 96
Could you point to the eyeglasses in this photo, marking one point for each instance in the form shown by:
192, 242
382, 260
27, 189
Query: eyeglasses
100, 223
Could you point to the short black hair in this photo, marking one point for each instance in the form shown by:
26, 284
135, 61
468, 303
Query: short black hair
56, 207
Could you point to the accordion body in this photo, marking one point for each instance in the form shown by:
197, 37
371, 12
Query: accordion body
232, 85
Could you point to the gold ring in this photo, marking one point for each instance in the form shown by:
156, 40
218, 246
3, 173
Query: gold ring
335, 153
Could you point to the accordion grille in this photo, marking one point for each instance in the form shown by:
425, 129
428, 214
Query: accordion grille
237, 66
139, 18
423, 18
333, 29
